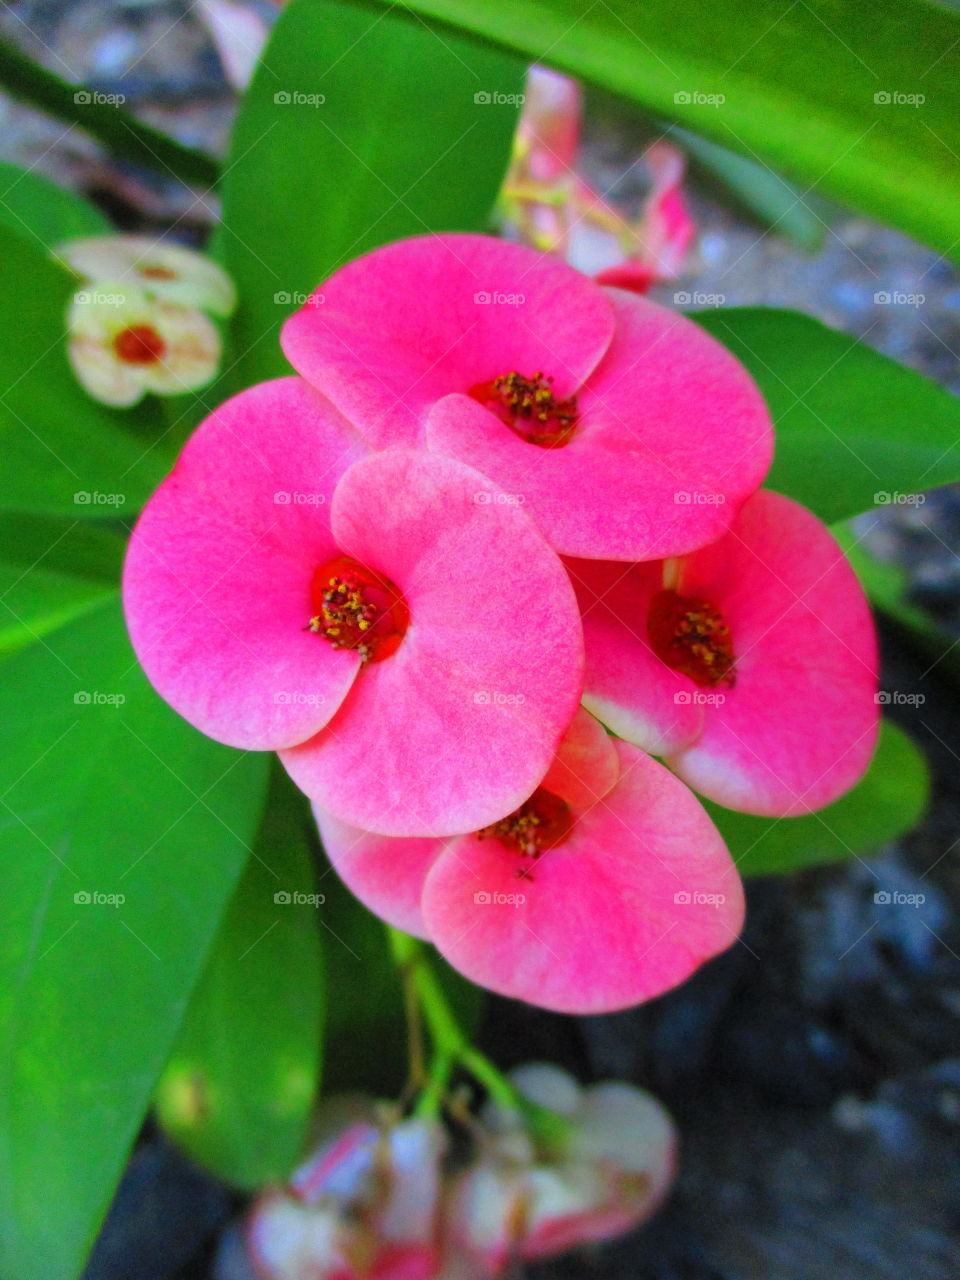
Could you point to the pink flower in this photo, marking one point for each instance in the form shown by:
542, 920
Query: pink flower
592, 407
613, 1172
546, 203
750, 665
364, 1207
606, 887
414, 653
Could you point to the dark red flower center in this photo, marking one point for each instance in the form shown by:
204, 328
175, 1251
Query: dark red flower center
529, 408
541, 823
139, 344
691, 635
357, 608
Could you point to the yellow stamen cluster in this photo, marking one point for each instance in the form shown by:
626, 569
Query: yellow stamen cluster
344, 612
531, 400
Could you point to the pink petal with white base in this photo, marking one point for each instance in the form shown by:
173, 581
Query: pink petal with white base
639, 894
414, 321
461, 723
217, 578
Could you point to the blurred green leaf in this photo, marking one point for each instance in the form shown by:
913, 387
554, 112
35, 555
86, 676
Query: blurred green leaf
102, 798
807, 88
119, 131
62, 453
240, 1085
888, 801
51, 571
38, 209
779, 204
853, 427
398, 147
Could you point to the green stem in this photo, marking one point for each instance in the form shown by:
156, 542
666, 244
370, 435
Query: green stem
120, 133
453, 1048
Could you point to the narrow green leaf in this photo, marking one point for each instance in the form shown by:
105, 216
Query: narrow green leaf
38, 209
123, 834
854, 428
823, 91
238, 1090
360, 127
62, 453
888, 801
779, 204
121, 133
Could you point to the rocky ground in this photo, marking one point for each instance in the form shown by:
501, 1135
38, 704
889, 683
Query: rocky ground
815, 1069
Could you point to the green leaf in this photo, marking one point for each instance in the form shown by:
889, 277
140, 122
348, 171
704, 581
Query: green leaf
38, 209
123, 134
774, 201
238, 1090
799, 85
853, 427
887, 801
51, 571
397, 148
62, 452
103, 798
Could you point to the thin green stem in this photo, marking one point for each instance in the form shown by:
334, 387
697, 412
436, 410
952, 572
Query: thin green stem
121, 133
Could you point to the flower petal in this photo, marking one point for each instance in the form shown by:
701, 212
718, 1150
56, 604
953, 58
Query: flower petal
217, 578
626, 685
460, 724
641, 894
799, 727
161, 268
401, 327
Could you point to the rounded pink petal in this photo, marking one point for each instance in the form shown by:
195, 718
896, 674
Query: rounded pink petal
401, 327
671, 436
799, 727
586, 766
459, 726
385, 872
626, 684
216, 584
641, 893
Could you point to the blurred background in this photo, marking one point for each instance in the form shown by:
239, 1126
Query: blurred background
814, 1070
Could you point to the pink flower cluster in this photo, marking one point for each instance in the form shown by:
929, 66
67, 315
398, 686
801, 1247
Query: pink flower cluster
382, 1199
494, 490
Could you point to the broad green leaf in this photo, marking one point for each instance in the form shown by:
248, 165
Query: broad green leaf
360, 127
51, 571
42, 212
105, 800
62, 452
776, 202
238, 1090
854, 428
887, 801
819, 90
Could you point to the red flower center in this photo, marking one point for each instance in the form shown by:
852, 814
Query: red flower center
357, 608
157, 273
139, 344
690, 635
529, 408
541, 823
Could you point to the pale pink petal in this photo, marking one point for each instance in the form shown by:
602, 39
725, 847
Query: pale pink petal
671, 436
385, 872
641, 893
459, 726
403, 326
799, 727
626, 684
217, 577
586, 766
